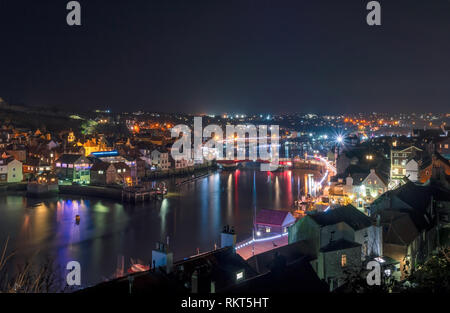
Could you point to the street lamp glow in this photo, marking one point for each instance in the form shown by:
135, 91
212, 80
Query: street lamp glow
339, 139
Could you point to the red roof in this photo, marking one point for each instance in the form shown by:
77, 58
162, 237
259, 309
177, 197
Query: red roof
271, 217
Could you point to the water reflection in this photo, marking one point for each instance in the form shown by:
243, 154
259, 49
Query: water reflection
192, 216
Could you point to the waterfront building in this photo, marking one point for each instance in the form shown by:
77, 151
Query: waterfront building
10, 170
165, 160
104, 173
73, 168
273, 221
35, 165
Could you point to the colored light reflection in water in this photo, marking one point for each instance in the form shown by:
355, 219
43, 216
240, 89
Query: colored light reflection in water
192, 216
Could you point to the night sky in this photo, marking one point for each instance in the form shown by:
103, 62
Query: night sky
215, 56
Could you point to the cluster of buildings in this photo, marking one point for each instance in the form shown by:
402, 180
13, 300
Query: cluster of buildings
389, 202
369, 169
285, 269
27, 155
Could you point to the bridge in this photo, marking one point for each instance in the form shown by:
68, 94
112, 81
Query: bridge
281, 161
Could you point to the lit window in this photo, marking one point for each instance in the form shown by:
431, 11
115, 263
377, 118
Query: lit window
100, 172
240, 275
343, 260
267, 229
58, 164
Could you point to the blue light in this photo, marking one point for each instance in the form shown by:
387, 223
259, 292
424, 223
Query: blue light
105, 153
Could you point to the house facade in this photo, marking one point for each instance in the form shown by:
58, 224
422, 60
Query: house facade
273, 222
399, 159
73, 168
359, 189
10, 170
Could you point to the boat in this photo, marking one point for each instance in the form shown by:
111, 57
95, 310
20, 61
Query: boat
229, 166
136, 268
161, 189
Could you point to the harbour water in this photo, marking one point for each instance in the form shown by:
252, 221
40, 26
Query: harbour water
192, 215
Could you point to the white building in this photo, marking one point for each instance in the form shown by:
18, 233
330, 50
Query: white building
164, 161
10, 170
412, 170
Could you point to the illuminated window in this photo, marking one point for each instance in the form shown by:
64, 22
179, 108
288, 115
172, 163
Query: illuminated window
267, 229
239, 275
343, 260
100, 172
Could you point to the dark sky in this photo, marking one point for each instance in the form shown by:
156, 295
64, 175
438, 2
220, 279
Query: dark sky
215, 56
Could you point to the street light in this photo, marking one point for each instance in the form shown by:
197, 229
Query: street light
340, 139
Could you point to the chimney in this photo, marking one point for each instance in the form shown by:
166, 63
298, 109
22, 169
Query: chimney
228, 237
194, 282
161, 257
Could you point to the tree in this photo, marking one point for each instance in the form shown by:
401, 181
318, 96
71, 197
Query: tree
431, 276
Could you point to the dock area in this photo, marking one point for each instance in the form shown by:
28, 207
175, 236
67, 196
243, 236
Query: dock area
140, 194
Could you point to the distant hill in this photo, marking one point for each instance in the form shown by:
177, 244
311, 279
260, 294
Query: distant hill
24, 116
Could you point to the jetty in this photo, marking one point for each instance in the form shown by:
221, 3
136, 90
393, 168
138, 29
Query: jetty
142, 193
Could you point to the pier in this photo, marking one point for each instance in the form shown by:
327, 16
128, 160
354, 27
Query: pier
141, 193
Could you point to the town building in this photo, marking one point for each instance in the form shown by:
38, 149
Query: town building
104, 173
273, 221
443, 147
73, 168
358, 189
399, 158
411, 216
10, 170
342, 239
18, 151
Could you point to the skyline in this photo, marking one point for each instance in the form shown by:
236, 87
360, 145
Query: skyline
239, 56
